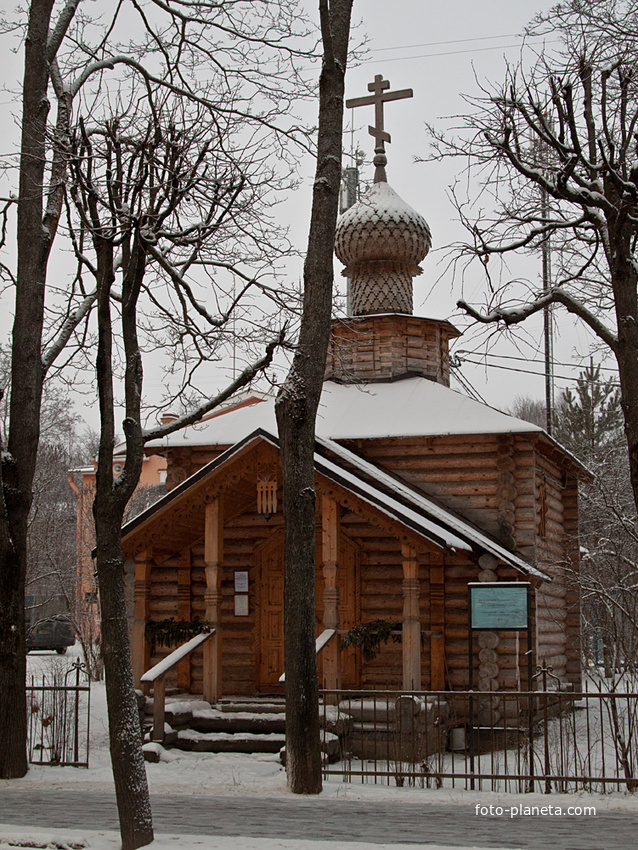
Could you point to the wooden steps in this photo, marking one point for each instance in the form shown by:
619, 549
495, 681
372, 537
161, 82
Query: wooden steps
234, 725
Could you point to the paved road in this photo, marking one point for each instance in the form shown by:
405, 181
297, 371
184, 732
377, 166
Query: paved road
449, 824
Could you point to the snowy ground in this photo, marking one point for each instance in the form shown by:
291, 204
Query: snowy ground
231, 775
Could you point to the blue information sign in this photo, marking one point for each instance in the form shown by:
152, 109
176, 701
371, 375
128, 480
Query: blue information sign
499, 605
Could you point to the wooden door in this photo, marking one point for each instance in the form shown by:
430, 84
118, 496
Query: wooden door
271, 616
271, 619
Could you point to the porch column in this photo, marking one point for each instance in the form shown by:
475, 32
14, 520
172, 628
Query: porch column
437, 622
184, 613
140, 646
411, 632
213, 560
330, 559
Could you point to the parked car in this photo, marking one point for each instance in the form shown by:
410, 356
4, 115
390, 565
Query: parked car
51, 634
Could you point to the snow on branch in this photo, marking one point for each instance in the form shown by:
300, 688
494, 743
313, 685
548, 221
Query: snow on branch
514, 315
242, 380
66, 331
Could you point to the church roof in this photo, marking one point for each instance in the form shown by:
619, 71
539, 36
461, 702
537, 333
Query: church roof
381, 227
411, 407
385, 493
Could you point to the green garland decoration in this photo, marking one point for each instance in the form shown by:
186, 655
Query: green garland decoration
369, 636
171, 631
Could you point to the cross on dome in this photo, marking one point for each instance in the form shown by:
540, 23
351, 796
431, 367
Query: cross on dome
380, 95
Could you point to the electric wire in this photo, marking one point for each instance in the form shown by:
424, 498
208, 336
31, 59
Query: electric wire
461, 352
451, 41
467, 386
469, 50
530, 372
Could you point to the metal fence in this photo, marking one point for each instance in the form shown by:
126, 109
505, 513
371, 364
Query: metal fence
58, 707
546, 741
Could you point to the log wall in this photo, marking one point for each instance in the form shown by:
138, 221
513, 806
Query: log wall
503, 483
386, 347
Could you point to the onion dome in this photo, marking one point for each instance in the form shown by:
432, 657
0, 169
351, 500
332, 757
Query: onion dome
381, 241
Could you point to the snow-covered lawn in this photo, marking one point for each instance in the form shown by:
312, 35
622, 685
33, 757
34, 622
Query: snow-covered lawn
69, 839
227, 774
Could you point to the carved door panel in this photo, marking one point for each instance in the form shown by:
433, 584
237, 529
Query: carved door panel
271, 639
271, 618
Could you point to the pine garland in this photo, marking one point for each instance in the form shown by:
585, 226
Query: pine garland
171, 631
369, 637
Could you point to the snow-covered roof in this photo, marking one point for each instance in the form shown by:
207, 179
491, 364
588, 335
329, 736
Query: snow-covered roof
383, 492
412, 407
415, 505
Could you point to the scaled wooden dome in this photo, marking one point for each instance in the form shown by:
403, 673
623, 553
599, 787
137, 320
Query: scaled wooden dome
381, 241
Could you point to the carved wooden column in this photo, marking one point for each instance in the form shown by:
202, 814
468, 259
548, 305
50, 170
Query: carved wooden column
140, 646
411, 632
213, 561
330, 559
184, 613
437, 622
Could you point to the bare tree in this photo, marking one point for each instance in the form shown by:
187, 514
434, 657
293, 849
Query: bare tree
244, 45
296, 409
556, 151
170, 200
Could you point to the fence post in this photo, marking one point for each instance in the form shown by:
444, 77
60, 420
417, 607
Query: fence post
159, 697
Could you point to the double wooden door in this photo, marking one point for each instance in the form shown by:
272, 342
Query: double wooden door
270, 639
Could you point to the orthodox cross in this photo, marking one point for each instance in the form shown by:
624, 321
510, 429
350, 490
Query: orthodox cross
379, 96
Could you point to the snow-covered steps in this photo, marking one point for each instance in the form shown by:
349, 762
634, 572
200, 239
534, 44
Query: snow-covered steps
255, 705
216, 720
237, 724
228, 742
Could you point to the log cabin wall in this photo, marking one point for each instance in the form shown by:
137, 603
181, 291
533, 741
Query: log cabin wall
381, 578
557, 603
242, 537
461, 471
494, 480
572, 596
509, 487
457, 575
387, 347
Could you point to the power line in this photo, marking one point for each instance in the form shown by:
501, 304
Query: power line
462, 351
458, 52
452, 41
529, 372
467, 386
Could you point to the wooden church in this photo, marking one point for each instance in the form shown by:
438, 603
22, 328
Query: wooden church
420, 491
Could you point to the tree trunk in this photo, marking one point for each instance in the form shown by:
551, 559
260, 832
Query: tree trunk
127, 759
624, 280
111, 497
26, 393
296, 410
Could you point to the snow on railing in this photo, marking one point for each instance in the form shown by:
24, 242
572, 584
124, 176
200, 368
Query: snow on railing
156, 676
323, 640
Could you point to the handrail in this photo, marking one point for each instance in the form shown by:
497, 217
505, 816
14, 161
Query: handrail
157, 673
320, 643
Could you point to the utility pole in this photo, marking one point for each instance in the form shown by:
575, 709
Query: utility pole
548, 322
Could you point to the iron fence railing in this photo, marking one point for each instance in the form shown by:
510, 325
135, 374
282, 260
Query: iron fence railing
58, 707
548, 741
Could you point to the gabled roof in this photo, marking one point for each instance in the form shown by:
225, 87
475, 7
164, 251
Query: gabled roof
414, 501
397, 500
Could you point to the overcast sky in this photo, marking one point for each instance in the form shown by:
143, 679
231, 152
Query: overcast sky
443, 51
440, 50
